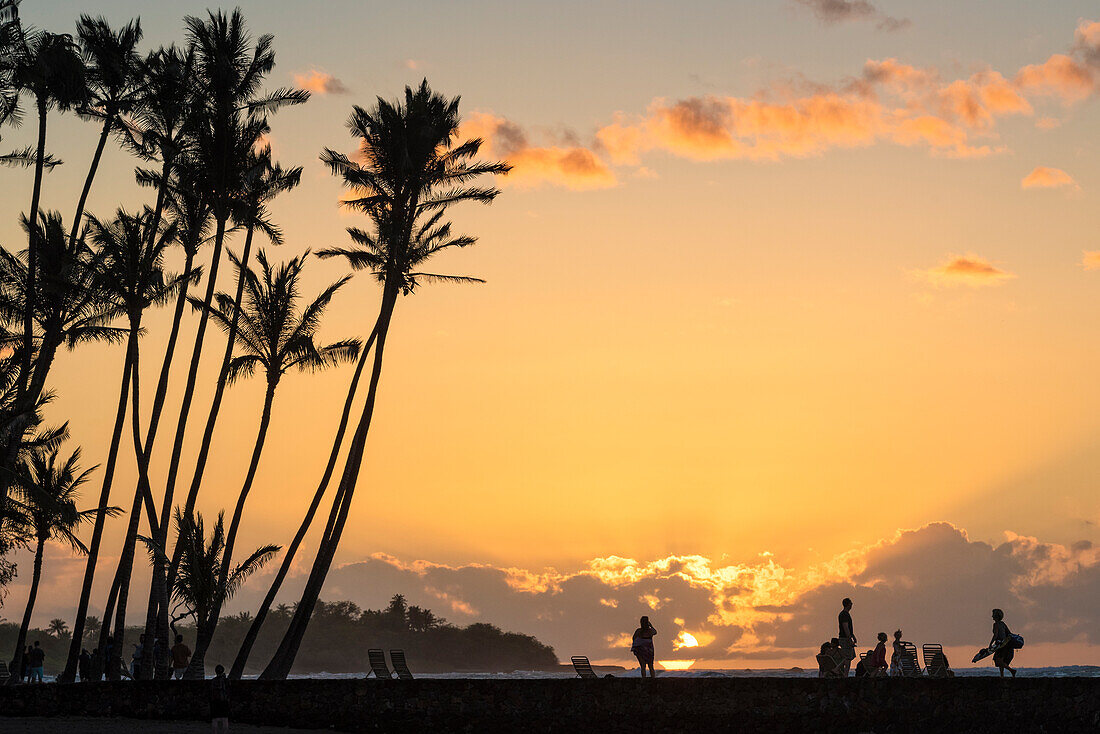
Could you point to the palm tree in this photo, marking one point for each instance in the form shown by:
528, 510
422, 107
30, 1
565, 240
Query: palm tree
58, 628
92, 625
133, 278
68, 311
231, 110
49, 489
50, 69
276, 337
114, 85
412, 168
191, 217
200, 586
264, 181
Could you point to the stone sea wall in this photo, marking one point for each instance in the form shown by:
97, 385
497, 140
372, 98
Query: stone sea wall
775, 706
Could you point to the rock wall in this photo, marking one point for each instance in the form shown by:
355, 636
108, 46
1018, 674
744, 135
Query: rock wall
604, 705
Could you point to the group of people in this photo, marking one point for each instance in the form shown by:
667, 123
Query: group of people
836, 656
92, 665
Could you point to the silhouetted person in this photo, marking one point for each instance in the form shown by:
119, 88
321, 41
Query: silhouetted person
897, 654
219, 701
37, 660
84, 665
135, 659
878, 657
642, 646
829, 660
847, 635
1002, 644
181, 656
25, 666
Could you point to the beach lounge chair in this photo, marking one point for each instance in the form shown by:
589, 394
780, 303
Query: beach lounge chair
377, 660
582, 666
935, 662
4, 674
828, 667
397, 660
910, 667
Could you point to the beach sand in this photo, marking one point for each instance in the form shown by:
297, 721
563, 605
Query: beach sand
90, 725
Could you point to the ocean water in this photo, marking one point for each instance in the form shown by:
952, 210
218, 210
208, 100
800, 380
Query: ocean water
1067, 671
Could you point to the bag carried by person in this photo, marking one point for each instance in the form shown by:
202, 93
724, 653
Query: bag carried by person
1015, 641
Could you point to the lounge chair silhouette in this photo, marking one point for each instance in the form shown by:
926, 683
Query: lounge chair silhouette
827, 667
4, 674
377, 660
397, 659
582, 666
935, 662
910, 667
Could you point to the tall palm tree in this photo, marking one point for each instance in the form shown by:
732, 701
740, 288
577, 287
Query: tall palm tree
264, 181
275, 336
68, 311
114, 86
412, 167
191, 218
49, 68
49, 489
133, 277
231, 108
201, 587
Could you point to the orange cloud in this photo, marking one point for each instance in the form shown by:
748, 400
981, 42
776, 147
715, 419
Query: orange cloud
1060, 76
571, 165
1090, 260
971, 270
1044, 177
320, 82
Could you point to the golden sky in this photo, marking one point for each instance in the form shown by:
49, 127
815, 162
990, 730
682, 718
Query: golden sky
767, 287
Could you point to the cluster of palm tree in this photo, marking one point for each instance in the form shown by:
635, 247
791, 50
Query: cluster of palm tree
196, 117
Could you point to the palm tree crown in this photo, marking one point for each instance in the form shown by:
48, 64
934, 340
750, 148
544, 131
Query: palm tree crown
49, 489
272, 332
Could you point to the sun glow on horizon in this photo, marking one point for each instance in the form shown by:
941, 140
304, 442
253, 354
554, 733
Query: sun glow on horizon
676, 664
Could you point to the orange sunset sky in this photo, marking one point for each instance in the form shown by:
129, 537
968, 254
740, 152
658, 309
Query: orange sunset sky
785, 301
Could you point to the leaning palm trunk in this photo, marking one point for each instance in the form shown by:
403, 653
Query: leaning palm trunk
21, 640
159, 591
32, 259
101, 516
104, 133
156, 587
142, 495
203, 643
215, 405
283, 660
261, 615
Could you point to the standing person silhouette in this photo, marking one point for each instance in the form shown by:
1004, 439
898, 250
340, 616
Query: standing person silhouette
1001, 644
847, 634
642, 646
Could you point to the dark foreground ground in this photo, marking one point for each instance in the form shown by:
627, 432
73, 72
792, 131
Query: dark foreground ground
773, 705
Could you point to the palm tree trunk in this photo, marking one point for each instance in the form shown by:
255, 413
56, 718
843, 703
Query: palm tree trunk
69, 674
142, 495
283, 660
257, 623
32, 257
196, 669
238, 511
156, 586
215, 405
21, 640
110, 669
162, 589
103, 135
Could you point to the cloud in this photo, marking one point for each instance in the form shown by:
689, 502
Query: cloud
1048, 123
1091, 260
1061, 76
971, 270
320, 82
840, 11
1044, 177
934, 582
564, 163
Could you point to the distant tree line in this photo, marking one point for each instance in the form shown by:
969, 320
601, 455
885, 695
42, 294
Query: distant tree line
338, 638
